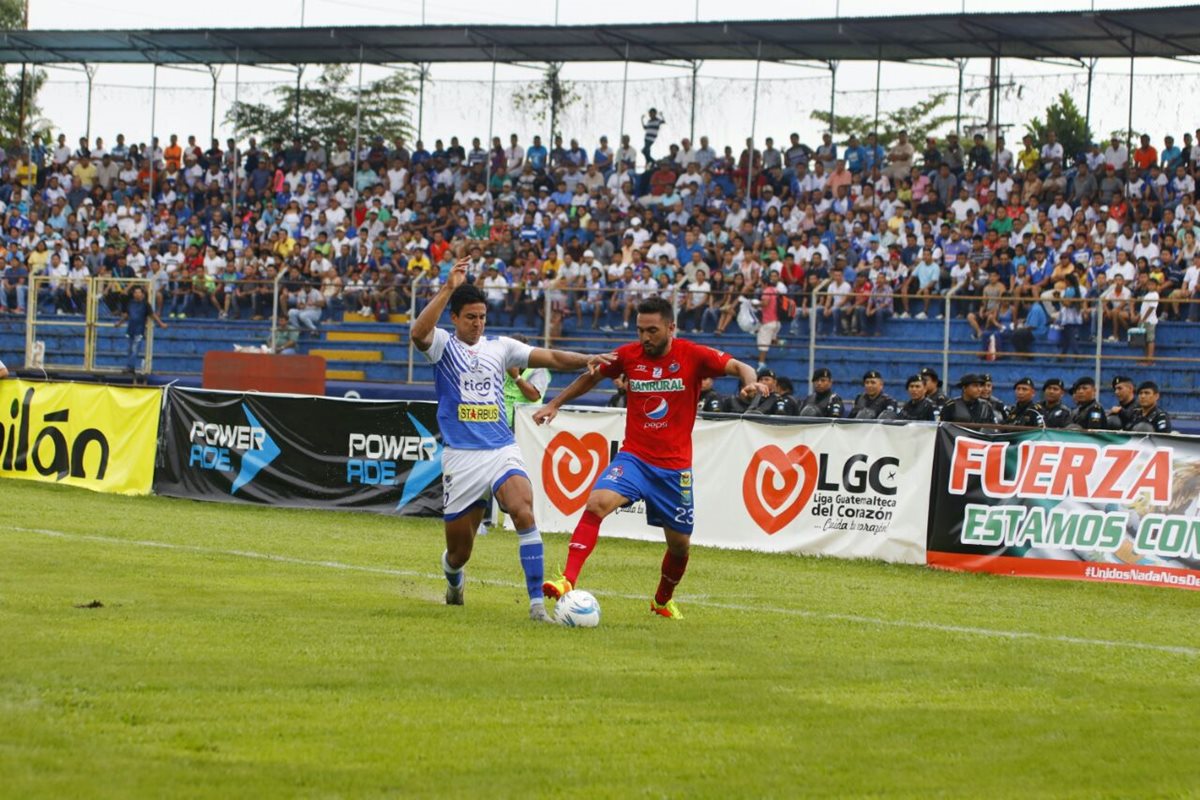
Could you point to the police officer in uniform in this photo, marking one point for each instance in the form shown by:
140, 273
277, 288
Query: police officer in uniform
1150, 418
1024, 411
1056, 414
823, 402
1121, 415
933, 388
710, 398
1088, 414
995, 402
919, 407
781, 403
873, 403
969, 406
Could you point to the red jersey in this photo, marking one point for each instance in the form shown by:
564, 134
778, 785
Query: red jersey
662, 399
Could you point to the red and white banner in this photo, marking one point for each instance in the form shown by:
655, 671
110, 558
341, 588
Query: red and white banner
836, 489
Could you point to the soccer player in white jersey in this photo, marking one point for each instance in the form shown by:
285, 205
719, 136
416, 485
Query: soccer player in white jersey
481, 457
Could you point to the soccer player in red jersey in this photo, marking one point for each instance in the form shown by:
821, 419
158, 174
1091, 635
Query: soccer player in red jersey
655, 463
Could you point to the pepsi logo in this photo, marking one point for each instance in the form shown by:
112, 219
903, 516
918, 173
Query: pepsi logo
656, 407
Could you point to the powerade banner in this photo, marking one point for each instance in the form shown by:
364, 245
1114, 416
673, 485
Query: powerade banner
82, 434
839, 489
1062, 504
300, 451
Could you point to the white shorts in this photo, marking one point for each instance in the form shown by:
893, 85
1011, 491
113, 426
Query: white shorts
767, 333
469, 477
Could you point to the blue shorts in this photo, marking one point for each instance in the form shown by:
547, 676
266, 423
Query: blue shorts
667, 492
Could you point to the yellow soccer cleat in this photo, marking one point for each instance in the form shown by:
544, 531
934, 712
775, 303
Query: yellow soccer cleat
557, 587
667, 609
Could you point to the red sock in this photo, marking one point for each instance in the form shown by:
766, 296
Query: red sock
583, 541
673, 567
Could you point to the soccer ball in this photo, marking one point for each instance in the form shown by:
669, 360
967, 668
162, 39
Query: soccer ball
577, 609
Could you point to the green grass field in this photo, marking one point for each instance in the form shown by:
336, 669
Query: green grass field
253, 652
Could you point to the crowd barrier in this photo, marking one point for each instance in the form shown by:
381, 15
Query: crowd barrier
1045, 503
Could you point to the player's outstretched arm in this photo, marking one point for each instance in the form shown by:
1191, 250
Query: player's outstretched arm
421, 332
750, 385
579, 387
568, 361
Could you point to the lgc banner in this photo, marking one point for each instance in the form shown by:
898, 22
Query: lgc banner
1062, 504
292, 450
852, 490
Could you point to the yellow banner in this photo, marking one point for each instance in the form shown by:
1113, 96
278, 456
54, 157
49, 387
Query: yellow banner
99, 437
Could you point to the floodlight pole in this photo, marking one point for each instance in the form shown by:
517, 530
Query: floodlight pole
1087, 114
491, 123
1129, 121
423, 73
878, 74
357, 123
153, 122
962, 66
90, 71
212, 127
235, 182
833, 68
692, 131
624, 94
753, 129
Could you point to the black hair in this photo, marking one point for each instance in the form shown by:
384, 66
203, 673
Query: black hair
656, 305
465, 295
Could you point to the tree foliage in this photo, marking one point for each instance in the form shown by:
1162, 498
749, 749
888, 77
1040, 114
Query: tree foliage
919, 120
328, 109
1065, 119
547, 99
12, 17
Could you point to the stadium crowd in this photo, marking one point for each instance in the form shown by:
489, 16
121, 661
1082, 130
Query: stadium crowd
1025, 243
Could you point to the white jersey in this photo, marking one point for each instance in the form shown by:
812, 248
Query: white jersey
469, 382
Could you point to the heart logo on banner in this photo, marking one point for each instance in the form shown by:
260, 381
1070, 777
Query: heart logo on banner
777, 485
570, 465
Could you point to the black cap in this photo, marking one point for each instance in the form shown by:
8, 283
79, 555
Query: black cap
822, 372
987, 377
871, 373
1151, 385
970, 378
1053, 382
765, 372
928, 372
1119, 379
1026, 381
1081, 382
913, 379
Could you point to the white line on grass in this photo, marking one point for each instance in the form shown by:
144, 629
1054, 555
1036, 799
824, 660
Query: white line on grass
789, 612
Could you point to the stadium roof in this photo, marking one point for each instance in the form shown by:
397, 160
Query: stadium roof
1163, 32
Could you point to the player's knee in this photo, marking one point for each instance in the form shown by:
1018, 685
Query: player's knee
522, 516
679, 546
599, 505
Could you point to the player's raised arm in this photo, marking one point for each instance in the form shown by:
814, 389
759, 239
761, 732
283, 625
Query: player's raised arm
422, 328
749, 379
568, 361
578, 387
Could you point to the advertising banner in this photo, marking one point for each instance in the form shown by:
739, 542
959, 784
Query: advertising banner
301, 451
90, 435
839, 489
1064, 504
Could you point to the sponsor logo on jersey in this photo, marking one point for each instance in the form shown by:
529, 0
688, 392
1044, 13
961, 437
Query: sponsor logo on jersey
656, 373
674, 367
656, 407
663, 385
639, 367
485, 412
685, 479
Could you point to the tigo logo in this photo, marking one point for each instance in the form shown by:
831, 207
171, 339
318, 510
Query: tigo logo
570, 466
777, 485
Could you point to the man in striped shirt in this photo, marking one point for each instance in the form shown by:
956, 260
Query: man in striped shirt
650, 126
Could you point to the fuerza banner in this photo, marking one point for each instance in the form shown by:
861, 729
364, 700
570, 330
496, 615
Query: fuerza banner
851, 490
300, 451
1065, 504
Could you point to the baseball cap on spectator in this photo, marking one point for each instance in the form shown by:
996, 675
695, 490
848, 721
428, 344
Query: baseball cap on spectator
635, 221
1119, 379
1053, 382
1085, 381
1026, 381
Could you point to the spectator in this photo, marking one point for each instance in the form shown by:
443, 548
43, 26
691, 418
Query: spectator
872, 403
823, 401
1051, 408
1149, 417
918, 407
